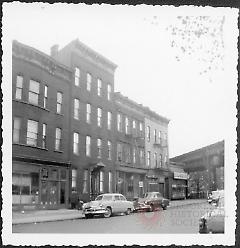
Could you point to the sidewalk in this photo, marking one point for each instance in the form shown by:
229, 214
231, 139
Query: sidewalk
70, 214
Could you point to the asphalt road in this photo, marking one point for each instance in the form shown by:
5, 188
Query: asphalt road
182, 219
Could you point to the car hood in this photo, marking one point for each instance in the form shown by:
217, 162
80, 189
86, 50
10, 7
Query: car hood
92, 204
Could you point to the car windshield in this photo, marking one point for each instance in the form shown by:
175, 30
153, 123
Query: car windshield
107, 197
99, 198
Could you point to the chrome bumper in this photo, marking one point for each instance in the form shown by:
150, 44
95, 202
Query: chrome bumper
94, 211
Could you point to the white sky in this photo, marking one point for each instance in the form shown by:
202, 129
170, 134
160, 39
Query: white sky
202, 111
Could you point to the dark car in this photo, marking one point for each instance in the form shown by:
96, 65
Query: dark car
150, 202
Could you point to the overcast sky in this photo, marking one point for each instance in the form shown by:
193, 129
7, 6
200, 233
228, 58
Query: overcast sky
181, 62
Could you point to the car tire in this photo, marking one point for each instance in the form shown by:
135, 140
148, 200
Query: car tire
164, 207
151, 209
128, 211
108, 213
88, 216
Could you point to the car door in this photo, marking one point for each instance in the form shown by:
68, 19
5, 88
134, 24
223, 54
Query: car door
116, 204
158, 200
124, 203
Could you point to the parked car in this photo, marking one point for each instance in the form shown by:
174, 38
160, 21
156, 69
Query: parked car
106, 205
214, 196
213, 221
150, 202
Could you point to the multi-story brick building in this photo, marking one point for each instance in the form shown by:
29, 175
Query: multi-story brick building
92, 138
156, 149
40, 113
131, 168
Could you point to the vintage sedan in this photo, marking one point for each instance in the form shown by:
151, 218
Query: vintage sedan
150, 202
213, 221
106, 205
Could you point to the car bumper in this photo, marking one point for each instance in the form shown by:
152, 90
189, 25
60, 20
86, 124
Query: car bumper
94, 211
141, 208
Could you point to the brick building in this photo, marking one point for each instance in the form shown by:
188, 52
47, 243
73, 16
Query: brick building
40, 114
91, 128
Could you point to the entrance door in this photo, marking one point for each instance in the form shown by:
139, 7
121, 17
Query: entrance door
95, 189
161, 188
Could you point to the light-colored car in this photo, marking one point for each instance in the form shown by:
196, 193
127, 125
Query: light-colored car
213, 221
106, 205
215, 195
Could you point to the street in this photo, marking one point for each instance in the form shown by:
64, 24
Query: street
182, 219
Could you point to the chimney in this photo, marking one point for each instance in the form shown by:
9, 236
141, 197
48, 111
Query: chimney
54, 50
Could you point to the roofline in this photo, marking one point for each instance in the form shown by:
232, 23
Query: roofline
144, 109
100, 56
42, 53
199, 149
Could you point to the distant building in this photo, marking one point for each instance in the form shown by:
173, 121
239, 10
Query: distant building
205, 167
40, 114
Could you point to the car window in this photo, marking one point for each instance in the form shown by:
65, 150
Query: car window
122, 198
117, 198
159, 195
99, 198
107, 197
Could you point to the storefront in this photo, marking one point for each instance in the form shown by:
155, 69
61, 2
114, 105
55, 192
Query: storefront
39, 186
131, 184
178, 184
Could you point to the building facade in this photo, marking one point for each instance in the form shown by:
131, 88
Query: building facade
205, 167
40, 110
130, 167
156, 150
92, 139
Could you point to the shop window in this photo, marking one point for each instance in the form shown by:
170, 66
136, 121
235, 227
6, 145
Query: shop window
33, 94
85, 179
19, 87
74, 179
101, 181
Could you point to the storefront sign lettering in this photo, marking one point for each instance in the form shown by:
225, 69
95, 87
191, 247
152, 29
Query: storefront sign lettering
180, 175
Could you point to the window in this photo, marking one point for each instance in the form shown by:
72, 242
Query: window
99, 117
16, 129
140, 126
99, 87
155, 159
74, 179
88, 112
134, 124
76, 143
134, 155
165, 159
45, 96
58, 139
159, 137
33, 94
148, 133
85, 178
19, 87
119, 152
119, 122
77, 76
59, 102
155, 135
148, 158
109, 144
101, 181
89, 81
32, 132
141, 156
109, 122
127, 154
44, 129
127, 125
88, 146
110, 180
76, 109
99, 148
160, 160
109, 90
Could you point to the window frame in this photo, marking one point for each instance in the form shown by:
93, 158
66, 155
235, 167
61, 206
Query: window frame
99, 117
77, 76
109, 92
44, 135
76, 109
76, 143
16, 131
88, 146
89, 81
99, 87
99, 148
109, 120
28, 138
32, 94
19, 88
109, 145
58, 140
148, 158
88, 113
59, 102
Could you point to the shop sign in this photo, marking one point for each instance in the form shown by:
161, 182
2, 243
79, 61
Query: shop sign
180, 175
141, 184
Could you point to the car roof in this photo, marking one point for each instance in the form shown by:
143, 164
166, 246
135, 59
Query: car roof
110, 194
